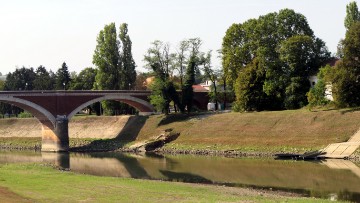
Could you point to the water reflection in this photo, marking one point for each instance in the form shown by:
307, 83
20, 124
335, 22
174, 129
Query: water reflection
336, 179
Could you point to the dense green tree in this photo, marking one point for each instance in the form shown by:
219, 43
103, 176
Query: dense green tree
261, 38
107, 59
63, 78
43, 80
84, 80
116, 69
352, 48
249, 88
21, 79
302, 55
352, 15
346, 74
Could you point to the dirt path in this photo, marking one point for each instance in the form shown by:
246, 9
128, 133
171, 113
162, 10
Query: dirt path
9, 197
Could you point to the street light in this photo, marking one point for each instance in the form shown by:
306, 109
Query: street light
26, 84
64, 85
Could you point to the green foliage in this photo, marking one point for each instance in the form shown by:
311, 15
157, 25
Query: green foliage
316, 95
116, 69
345, 77
302, 56
163, 92
63, 78
25, 114
352, 15
248, 88
287, 51
21, 79
84, 80
128, 63
187, 91
157, 97
106, 57
43, 79
2, 85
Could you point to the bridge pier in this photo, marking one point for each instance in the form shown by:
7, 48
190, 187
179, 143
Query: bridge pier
57, 139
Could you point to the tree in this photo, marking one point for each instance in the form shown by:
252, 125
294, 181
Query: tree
160, 60
107, 59
116, 69
302, 55
260, 39
187, 91
249, 88
211, 75
84, 80
63, 78
21, 79
181, 59
345, 77
352, 15
316, 95
43, 80
163, 91
126, 57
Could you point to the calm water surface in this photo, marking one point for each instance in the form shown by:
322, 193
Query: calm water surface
330, 179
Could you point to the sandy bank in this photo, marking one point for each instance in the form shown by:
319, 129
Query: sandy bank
82, 127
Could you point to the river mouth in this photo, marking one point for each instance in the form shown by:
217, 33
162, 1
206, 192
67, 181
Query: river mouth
328, 179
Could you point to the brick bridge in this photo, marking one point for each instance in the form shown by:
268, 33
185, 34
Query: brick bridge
54, 109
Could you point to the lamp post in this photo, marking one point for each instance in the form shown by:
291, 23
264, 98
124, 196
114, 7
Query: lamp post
26, 84
64, 85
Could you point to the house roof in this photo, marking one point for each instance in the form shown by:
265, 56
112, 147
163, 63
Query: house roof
199, 88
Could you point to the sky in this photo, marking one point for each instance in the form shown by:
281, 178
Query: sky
50, 32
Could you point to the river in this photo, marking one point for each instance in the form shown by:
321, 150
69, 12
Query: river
329, 179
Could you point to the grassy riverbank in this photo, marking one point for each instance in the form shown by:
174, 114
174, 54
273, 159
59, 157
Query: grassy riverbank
286, 131
41, 183
257, 132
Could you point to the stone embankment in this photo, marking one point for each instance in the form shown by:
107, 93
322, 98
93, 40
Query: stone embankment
104, 127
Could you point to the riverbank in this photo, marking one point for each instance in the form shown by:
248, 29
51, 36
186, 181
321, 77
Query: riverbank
233, 134
41, 183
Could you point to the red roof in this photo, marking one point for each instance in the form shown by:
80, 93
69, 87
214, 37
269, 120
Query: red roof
199, 88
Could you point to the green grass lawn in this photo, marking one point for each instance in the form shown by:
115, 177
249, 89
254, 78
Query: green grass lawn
42, 183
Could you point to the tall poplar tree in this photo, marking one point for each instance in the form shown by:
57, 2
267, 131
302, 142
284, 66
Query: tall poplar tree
127, 60
352, 15
116, 66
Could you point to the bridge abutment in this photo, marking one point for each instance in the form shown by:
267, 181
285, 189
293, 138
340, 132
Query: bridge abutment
57, 139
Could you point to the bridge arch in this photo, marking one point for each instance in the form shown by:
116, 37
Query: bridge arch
141, 105
37, 111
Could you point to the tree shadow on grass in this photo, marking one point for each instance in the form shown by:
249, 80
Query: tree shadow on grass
128, 134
